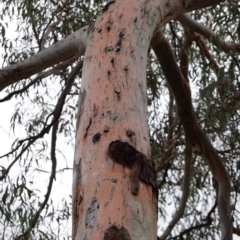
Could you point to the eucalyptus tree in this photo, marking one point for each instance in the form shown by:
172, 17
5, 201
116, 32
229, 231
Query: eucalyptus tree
157, 88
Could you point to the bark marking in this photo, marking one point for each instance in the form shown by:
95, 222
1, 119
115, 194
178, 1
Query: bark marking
125, 154
130, 133
91, 215
96, 137
113, 233
86, 133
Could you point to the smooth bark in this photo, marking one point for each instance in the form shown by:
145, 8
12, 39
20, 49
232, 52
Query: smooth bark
112, 110
74, 44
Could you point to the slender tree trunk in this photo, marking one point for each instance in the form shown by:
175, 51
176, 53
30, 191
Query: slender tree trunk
114, 186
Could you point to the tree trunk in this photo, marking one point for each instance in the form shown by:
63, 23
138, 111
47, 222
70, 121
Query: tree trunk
114, 189
114, 184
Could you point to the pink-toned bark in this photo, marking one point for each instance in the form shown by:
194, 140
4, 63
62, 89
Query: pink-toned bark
112, 107
113, 104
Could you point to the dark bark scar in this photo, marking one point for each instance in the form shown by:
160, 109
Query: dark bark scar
114, 233
96, 137
141, 169
86, 133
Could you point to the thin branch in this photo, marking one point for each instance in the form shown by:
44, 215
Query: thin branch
188, 22
35, 218
185, 191
55, 124
202, 44
208, 221
55, 113
73, 45
55, 70
6, 171
48, 31
187, 43
167, 156
36, 34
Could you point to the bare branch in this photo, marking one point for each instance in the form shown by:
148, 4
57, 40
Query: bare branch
69, 47
55, 113
188, 22
185, 191
207, 222
58, 110
6, 171
187, 43
55, 70
206, 53
48, 31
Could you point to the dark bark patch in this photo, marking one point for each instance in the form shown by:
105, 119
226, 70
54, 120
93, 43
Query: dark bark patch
106, 129
109, 49
112, 62
96, 137
86, 133
130, 133
122, 33
125, 154
108, 26
91, 215
114, 233
135, 20
117, 49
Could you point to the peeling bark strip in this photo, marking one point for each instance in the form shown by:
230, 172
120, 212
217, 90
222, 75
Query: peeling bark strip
91, 215
125, 154
113, 233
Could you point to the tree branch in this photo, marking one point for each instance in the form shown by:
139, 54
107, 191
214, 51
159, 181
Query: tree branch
55, 70
192, 130
185, 191
56, 112
72, 45
188, 22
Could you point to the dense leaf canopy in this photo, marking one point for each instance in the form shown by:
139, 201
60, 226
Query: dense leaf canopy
43, 109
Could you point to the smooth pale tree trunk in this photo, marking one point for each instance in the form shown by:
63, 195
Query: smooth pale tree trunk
106, 201
114, 186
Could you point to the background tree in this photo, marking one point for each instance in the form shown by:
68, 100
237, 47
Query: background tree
45, 80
